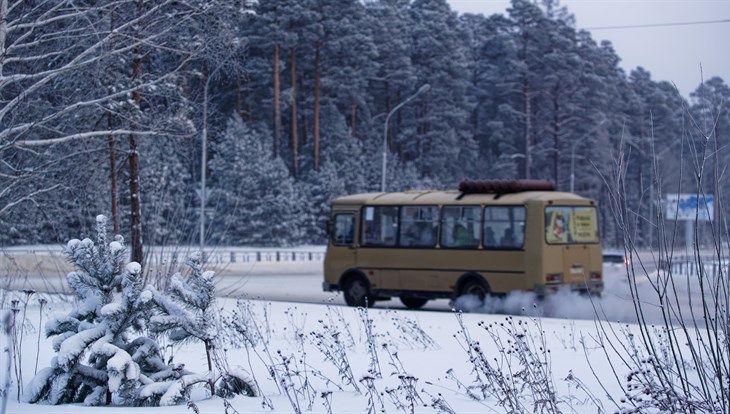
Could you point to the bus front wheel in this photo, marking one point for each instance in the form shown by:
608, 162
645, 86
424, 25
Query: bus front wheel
356, 292
413, 303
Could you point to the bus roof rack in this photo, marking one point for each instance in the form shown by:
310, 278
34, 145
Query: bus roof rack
500, 187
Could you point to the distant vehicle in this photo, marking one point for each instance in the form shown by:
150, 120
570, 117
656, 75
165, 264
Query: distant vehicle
489, 237
614, 258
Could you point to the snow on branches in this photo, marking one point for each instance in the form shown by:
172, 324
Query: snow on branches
103, 355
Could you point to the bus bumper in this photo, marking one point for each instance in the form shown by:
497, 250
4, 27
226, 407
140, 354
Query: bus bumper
592, 288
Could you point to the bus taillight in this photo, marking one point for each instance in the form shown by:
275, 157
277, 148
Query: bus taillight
554, 278
596, 281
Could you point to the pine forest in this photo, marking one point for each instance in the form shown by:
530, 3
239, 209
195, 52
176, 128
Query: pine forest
256, 114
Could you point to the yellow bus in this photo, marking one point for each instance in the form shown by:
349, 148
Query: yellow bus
489, 237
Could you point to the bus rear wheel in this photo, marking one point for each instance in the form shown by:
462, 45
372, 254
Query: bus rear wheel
475, 288
357, 292
413, 303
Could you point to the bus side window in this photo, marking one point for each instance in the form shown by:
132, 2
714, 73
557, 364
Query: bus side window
508, 239
344, 233
489, 238
506, 225
460, 226
418, 226
380, 225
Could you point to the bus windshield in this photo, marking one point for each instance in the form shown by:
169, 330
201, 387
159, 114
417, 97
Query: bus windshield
570, 225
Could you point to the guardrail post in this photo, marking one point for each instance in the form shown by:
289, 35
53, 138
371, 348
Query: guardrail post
258, 256
277, 256
233, 257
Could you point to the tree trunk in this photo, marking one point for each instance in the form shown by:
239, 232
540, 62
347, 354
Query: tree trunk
112, 159
185, 80
3, 31
239, 104
134, 185
353, 119
556, 138
113, 174
294, 140
208, 350
716, 179
528, 126
134, 189
204, 159
317, 75
277, 103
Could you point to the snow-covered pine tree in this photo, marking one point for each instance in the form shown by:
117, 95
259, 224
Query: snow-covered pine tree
186, 312
256, 197
101, 358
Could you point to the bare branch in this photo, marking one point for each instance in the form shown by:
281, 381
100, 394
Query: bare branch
29, 197
90, 134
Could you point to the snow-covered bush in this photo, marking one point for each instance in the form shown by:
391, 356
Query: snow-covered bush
185, 313
101, 355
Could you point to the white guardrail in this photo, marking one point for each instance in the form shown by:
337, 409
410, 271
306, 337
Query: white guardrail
690, 266
230, 257
680, 265
213, 255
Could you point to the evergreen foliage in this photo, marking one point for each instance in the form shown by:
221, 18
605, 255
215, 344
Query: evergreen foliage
185, 313
103, 355
100, 358
256, 200
298, 95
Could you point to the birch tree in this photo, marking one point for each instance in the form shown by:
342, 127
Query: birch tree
69, 67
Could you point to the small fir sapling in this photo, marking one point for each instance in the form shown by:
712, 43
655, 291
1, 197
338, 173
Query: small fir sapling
101, 357
186, 313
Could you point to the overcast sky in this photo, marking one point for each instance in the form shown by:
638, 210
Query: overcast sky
671, 53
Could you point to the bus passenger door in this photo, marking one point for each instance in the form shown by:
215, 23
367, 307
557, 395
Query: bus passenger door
341, 252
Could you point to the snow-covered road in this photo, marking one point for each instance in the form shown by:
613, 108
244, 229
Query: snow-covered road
301, 281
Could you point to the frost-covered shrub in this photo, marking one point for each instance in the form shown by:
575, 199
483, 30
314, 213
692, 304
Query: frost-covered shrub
235, 382
102, 354
186, 313
101, 358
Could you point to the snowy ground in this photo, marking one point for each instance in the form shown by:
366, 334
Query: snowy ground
428, 347
410, 361
388, 359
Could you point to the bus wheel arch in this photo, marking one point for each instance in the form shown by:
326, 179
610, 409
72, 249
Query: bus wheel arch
472, 284
355, 288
